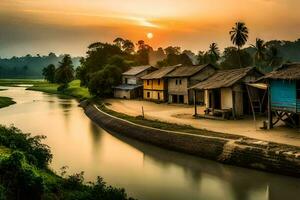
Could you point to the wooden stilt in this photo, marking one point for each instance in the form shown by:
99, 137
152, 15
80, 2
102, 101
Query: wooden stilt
270, 118
195, 103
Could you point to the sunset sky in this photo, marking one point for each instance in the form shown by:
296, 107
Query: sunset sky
69, 26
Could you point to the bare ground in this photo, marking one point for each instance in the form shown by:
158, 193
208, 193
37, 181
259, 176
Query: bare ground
183, 114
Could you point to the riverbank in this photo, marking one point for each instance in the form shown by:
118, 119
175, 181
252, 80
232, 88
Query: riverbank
243, 151
74, 89
6, 101
25, 174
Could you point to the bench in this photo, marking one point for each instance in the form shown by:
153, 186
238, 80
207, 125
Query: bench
226, 113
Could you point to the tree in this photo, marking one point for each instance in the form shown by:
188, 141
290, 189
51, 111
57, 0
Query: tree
230, 60
214, 53
65, 72
260, 51
239, 37
128, 46
143, 52
172, 50
49, 73
25, 69
273, 57
119, 42
102, 81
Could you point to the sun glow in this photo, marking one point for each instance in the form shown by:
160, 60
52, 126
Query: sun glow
150, 35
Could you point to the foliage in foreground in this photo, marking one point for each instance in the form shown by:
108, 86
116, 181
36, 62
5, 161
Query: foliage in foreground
24, 173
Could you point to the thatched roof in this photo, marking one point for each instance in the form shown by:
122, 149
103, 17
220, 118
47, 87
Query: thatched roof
137, 70
223, 78
160, 73
187, 71
285, 72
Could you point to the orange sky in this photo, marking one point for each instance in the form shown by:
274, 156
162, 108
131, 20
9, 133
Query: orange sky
68, 26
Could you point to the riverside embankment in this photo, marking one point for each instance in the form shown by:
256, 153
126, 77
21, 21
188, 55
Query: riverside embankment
245, 152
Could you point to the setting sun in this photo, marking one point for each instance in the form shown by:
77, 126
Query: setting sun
150, 35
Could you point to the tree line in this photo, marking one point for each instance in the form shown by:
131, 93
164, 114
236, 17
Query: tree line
104, 63
29, 66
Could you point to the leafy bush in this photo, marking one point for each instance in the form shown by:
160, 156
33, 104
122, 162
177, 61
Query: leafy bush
35, 152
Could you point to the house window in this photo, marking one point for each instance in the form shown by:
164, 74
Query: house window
176, 82
126, 80
158, 82
180, 82
148, 82
148, 94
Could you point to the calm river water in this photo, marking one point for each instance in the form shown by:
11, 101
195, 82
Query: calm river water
145, 171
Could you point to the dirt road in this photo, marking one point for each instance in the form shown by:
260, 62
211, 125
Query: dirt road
183, 114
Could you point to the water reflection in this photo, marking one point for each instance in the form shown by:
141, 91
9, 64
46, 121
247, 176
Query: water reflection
147, 172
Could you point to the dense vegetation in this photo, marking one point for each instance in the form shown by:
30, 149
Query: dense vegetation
24, 173
29, 66
6, 101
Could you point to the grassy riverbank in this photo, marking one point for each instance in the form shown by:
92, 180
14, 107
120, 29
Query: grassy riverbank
74, 89
25, 174
6, 101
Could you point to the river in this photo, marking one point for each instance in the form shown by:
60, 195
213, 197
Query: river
145, 171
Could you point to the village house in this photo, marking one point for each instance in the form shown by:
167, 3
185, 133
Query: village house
156, 84
284, 94
183, 78
225, 92
132, 84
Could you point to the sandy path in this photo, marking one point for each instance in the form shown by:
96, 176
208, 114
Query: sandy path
182, 114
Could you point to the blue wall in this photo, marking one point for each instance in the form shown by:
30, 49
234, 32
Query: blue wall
283, 95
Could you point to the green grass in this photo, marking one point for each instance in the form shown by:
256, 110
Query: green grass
6, 101
74, 89
167, 126
15, 82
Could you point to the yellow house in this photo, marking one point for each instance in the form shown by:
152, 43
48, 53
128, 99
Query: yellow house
156, 85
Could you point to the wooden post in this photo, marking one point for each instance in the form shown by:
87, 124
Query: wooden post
143, 114
252, 108
195, 103
233, 104
270, 117
212, 102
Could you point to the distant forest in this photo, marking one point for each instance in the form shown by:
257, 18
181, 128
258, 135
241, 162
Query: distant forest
30, 66
288, 50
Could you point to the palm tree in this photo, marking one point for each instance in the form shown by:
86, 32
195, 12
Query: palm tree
260, 50
214, 52
239, 36
65, 72
273, 57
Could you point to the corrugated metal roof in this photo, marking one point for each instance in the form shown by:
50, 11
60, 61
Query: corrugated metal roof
187, 71
136, 70
160, 73
223, 78
127, 87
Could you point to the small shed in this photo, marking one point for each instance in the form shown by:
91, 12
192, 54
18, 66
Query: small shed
225, 92
284, 86
284, 93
